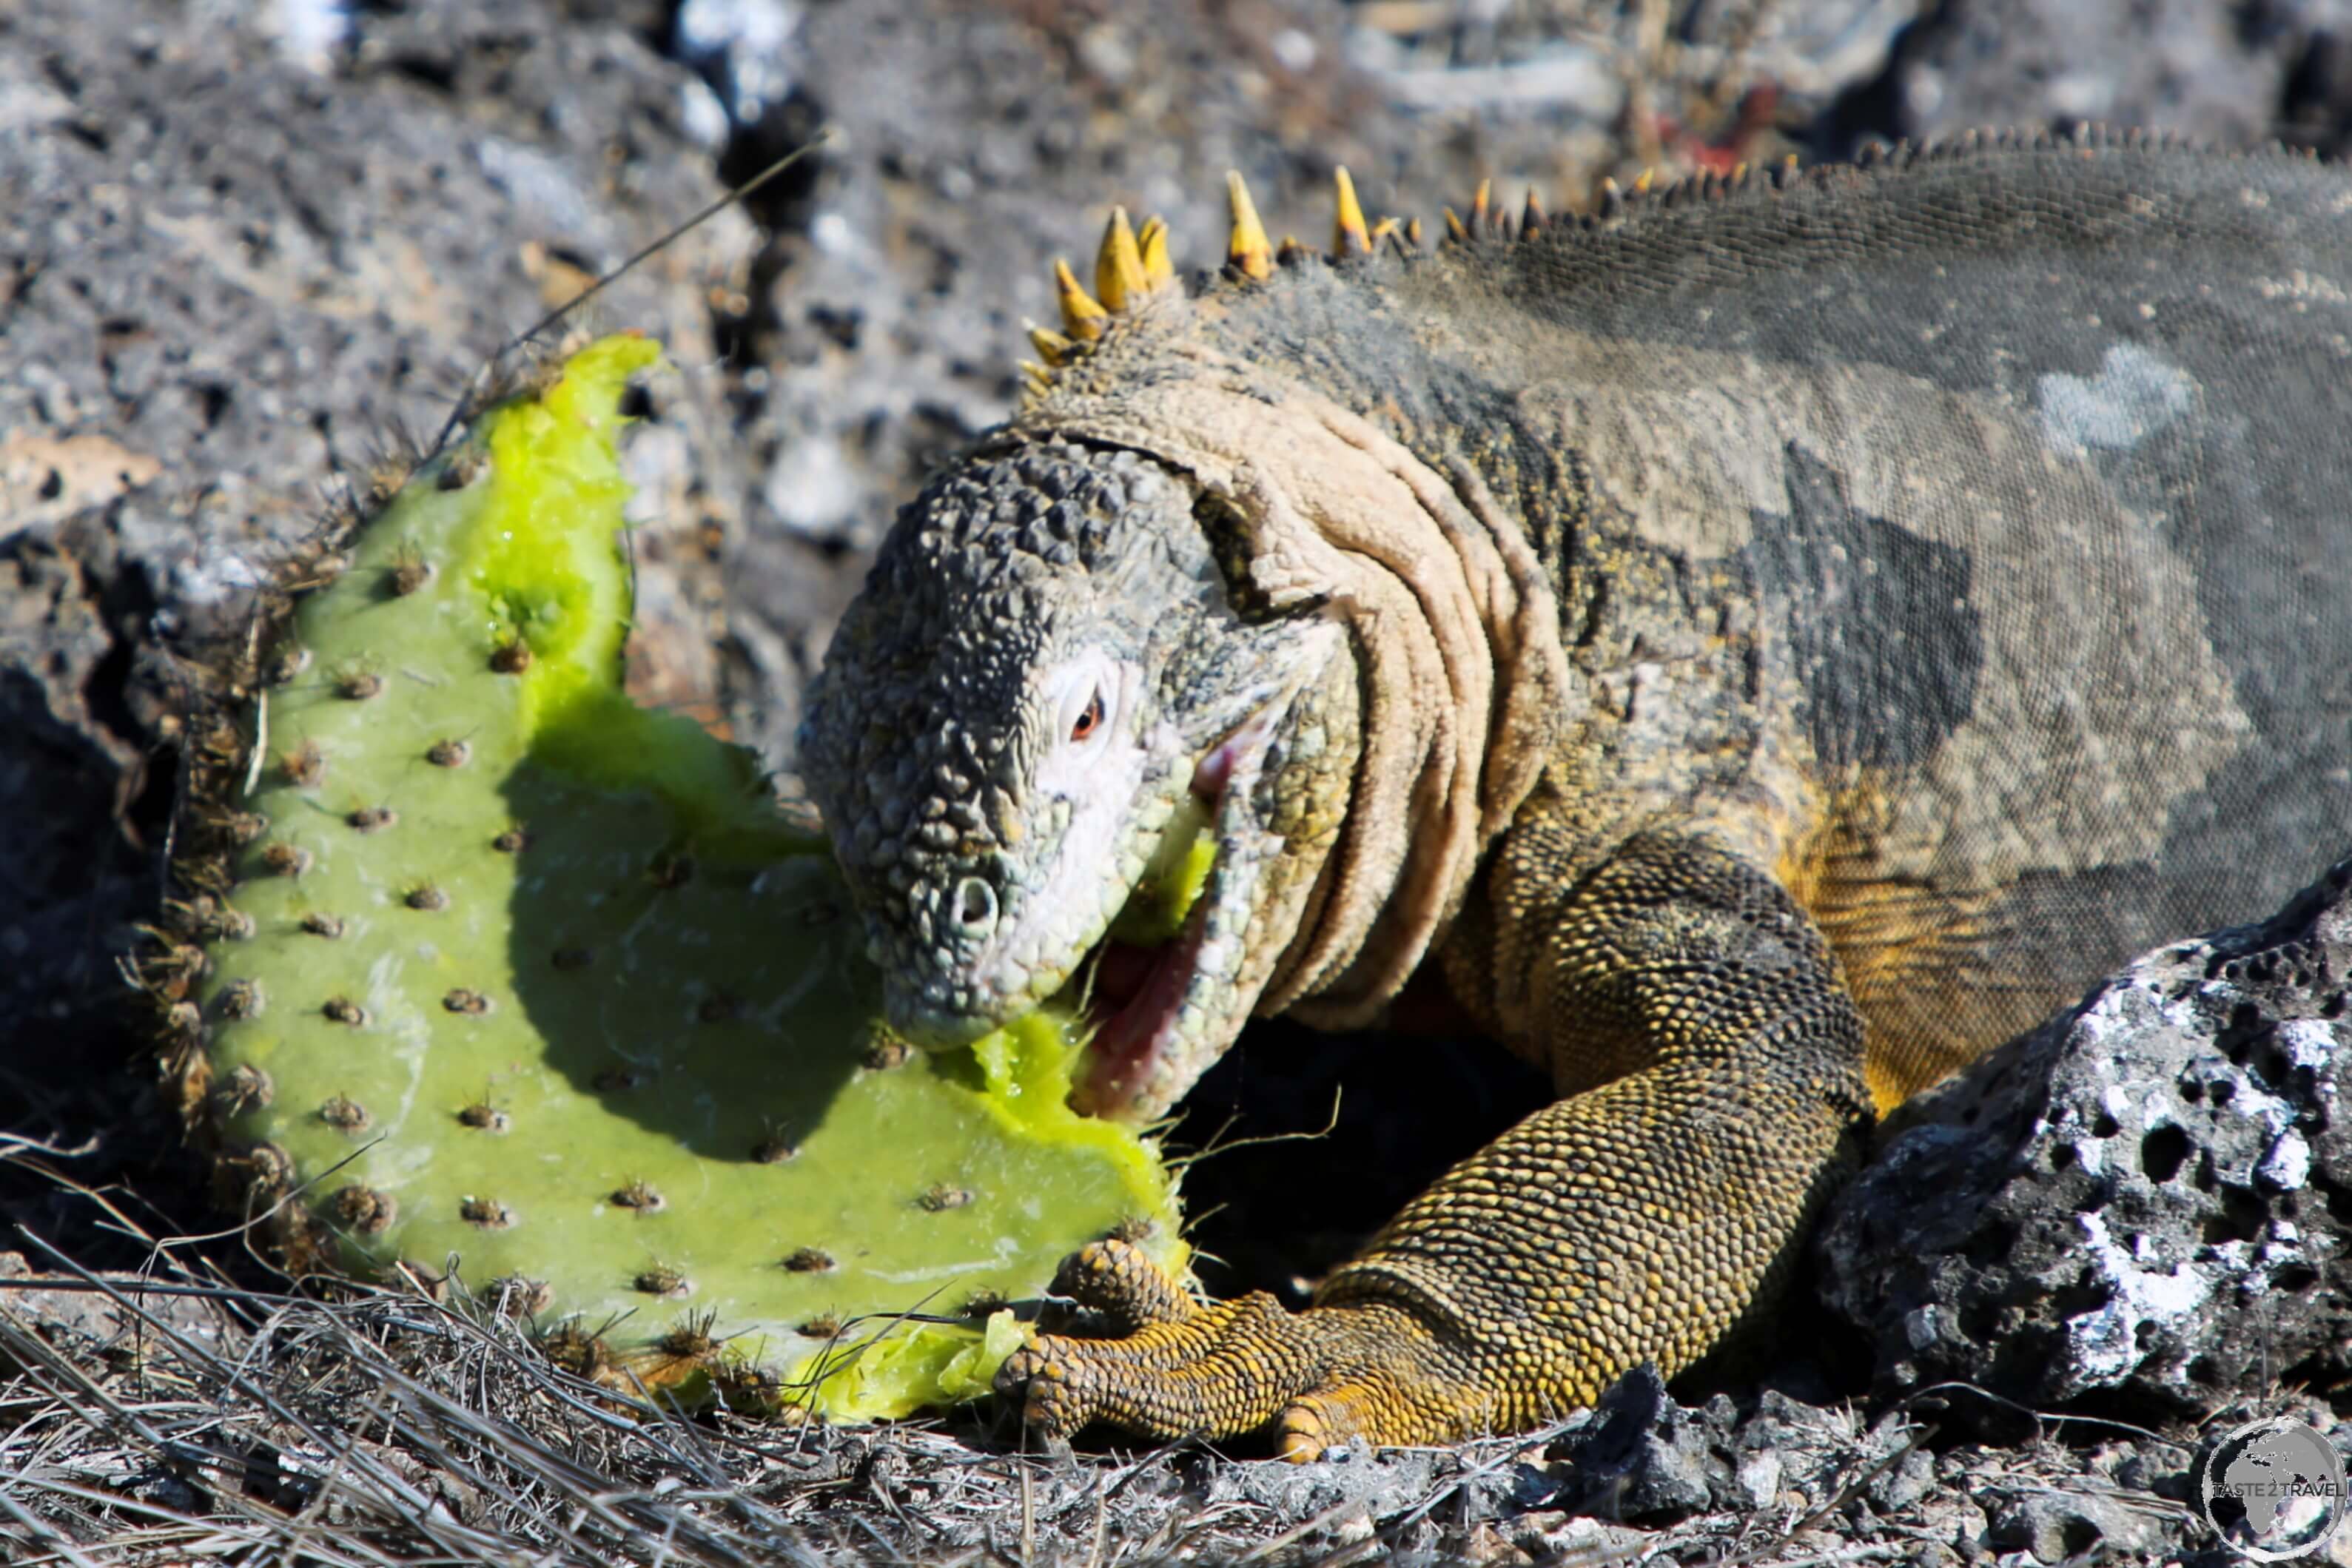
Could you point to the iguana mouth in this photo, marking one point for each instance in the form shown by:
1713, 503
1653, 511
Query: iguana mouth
1139, 1002
1139, 994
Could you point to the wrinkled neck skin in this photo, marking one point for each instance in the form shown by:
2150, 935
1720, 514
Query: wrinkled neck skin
1347, 841
1348, 653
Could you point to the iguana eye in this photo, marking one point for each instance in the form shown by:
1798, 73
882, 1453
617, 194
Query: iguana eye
1084, 697
1091, 720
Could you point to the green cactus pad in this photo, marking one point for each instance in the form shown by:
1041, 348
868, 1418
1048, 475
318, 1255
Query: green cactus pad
508, 977
1172, 880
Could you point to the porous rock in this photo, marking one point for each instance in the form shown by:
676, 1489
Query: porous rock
1642, 1455
2052, 1525
2147, 1203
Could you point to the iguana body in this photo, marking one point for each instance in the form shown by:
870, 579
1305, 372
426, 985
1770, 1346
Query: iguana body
1767, 645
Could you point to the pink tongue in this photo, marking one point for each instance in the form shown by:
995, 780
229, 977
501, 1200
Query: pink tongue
1209, 779
1143, 988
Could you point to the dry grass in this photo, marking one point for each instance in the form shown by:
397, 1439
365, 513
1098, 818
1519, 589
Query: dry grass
386, 1428
177, 1416
174, 1416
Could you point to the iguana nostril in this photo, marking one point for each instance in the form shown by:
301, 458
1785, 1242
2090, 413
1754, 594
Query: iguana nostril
975, 907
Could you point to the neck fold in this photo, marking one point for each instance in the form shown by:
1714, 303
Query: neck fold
1456, 637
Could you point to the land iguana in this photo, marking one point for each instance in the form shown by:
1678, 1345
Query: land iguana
1763, 642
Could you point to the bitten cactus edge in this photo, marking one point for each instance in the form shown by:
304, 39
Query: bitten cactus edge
478, 972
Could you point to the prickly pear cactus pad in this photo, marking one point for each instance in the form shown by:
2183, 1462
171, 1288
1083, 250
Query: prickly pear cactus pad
486, 973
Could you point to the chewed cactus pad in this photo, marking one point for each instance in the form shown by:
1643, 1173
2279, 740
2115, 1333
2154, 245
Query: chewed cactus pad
491, 976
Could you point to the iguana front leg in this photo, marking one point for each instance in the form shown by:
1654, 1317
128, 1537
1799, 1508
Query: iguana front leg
1637, 1220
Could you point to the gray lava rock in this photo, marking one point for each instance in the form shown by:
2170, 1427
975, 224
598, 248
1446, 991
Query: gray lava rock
231, 264
1642, 1455
1371, 1484
1639, 1458
2151, 1199
2052, 1526
2215, 73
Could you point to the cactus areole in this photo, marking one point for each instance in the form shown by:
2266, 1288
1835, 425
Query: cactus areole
482, 974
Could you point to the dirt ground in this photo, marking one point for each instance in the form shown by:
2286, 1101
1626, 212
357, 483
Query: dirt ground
239, 244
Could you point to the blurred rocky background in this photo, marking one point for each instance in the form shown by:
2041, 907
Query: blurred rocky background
242, 241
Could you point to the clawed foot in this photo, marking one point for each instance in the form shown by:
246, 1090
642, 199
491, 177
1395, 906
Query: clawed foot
1179, 1367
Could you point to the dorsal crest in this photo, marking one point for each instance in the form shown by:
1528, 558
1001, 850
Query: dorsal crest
1133, 272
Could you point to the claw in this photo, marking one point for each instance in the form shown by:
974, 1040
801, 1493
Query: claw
1051, 1410
1340, 1416
1299, 1446
1176, 1367
1117, 1279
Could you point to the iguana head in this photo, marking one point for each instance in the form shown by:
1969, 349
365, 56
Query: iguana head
1045, 664
1192, 567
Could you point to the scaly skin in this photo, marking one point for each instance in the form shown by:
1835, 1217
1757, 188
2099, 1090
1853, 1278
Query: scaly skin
1525, 1282
1766, 646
